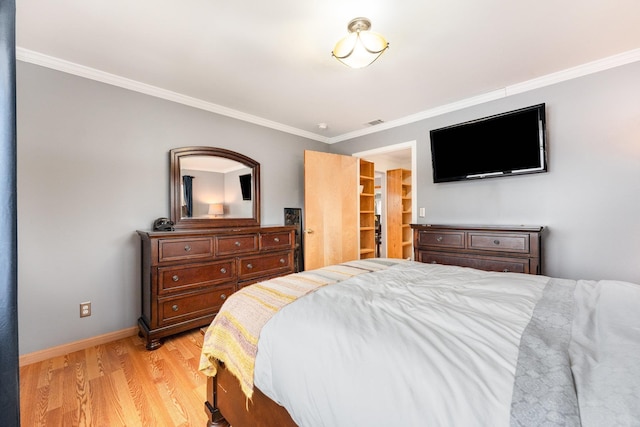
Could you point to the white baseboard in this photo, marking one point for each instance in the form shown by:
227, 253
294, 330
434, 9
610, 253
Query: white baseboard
48, 353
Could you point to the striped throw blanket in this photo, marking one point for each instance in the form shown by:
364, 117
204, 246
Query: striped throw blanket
232, 337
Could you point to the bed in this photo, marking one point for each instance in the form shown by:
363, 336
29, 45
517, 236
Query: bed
384, 342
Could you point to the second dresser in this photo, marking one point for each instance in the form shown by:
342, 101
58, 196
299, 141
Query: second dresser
515, 249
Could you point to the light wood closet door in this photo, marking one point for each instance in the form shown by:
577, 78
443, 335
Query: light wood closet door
331, 213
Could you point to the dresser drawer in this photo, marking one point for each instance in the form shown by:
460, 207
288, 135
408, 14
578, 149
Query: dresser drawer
518, 243
184, 277
441, 239
265, 265
276, 240
182, 249
513, 265
191, 306
230, 245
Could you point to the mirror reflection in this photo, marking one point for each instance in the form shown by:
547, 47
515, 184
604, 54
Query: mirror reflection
215, 188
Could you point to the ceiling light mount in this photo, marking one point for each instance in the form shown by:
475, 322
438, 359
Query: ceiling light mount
359, 24
361, 47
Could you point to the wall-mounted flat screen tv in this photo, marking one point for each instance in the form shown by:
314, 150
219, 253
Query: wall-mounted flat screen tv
502, 145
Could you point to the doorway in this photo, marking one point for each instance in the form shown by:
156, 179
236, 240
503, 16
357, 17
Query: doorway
397, 156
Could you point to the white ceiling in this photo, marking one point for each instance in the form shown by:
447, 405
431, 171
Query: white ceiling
269, 62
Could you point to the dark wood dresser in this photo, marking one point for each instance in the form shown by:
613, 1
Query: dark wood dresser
515, 249
188, 274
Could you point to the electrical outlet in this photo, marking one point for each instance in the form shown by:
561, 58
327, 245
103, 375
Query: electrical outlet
85, 309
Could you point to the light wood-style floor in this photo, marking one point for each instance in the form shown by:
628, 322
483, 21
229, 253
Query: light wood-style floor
117, 384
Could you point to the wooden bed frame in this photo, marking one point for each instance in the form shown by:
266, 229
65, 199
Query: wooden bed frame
227, 405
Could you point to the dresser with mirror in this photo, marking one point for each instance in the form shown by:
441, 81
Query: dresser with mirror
217, 244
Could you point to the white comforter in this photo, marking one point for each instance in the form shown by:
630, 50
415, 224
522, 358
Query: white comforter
605, 352
418, 345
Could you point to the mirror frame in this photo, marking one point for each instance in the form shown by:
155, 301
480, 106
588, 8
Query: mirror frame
175, 180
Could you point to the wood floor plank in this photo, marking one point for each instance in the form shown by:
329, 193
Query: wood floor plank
73, 404
54, 379
54, 417
44, 370
104, 412
117, 384
126, 401
82, 394
145, 390
95, 368
168, 391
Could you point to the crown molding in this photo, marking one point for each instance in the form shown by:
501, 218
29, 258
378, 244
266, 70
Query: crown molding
54, 63
58, 64
537, 83
447, 108
575, 72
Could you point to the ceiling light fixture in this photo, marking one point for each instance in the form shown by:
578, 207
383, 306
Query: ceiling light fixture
361, 47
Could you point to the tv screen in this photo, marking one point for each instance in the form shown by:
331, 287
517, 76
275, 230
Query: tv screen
502, 145
245, 186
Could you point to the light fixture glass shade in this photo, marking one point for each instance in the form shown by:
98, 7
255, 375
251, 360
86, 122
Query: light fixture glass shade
216, 209
360, 47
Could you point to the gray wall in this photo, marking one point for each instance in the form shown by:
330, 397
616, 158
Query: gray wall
93, 167
590, 198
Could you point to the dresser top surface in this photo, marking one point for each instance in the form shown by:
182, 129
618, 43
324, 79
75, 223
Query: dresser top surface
475, 227
214, 231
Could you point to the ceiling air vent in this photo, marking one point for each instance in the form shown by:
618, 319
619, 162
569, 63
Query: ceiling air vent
375, 122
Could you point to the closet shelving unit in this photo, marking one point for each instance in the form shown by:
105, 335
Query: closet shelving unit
399, 233
367, 213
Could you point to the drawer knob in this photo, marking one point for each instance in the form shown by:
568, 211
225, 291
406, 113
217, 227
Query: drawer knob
282, 261
276, 239
174, 307
249, 266
175, 278
187, 248
496, 242
237, 243
506, 270
439, 239
223, 296
223, 270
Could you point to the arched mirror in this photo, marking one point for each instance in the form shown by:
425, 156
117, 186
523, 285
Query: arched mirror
213, 187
